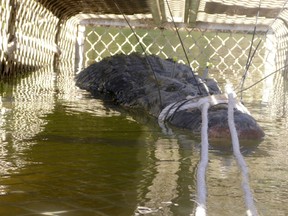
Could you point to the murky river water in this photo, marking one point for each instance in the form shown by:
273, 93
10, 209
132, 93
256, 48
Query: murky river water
65, 153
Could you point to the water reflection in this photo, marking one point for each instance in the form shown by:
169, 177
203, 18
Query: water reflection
162, 189
167, 186
63, 152
65, 171
76, 100
24, 102
278, 103
269, 176
88, 166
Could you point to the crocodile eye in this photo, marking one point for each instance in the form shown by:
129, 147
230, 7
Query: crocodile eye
171, 88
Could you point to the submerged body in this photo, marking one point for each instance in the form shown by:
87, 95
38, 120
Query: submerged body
151, 84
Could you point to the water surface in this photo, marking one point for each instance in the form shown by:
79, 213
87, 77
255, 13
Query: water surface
65, 153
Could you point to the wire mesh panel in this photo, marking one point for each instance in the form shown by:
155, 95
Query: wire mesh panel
227, 51
67, 40
276, 85
6, 48
31, 36
36, 29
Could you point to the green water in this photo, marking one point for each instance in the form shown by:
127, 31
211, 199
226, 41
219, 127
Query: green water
65, 153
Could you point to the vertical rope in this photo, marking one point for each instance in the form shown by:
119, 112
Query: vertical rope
201, 171
251, 209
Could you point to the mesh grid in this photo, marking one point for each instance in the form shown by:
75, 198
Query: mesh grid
31, 36
5, 37
227, 51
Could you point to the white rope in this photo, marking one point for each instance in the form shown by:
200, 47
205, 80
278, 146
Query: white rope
193, 103
201, 171
251, 209
204, 104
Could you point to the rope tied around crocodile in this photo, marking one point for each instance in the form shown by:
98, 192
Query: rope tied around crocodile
203, 104
194, 103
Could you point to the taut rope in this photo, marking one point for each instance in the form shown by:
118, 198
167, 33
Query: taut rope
201, 185
203, 104
251, 209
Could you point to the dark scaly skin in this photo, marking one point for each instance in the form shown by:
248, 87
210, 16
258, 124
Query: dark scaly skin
130, 83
